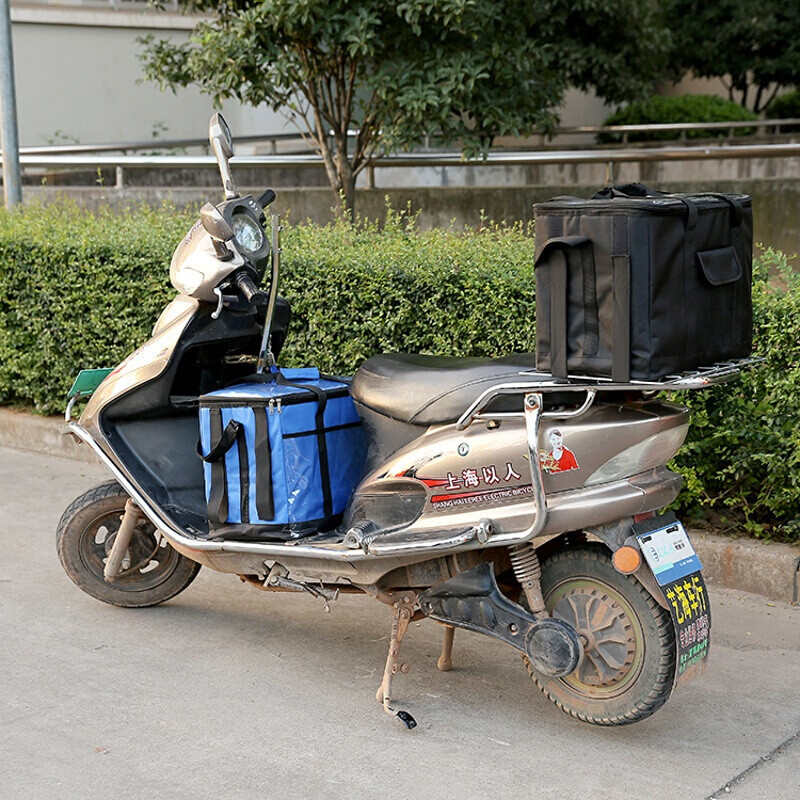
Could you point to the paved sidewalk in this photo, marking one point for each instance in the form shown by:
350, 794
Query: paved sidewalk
226, 692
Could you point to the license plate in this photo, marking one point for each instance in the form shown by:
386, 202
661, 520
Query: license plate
87, 381
668, 551
670, 555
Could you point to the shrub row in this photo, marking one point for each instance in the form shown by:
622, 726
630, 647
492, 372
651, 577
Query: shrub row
81, 290
680, 108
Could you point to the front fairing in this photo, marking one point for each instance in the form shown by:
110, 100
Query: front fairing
195, 269
143, 364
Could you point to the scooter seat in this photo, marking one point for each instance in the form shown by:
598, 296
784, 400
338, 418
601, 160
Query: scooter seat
431, 390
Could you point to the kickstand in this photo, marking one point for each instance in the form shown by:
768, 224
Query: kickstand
402, 614
445, 662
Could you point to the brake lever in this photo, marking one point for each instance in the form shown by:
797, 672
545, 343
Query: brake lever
218, 292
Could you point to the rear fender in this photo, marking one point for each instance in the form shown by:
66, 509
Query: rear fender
613, 535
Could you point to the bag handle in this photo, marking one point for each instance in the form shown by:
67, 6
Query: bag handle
635, 189
231, 433
561, 247
735, 206
560, 243
218, 496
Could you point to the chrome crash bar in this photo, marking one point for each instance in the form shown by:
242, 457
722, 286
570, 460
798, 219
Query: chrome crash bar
399, 543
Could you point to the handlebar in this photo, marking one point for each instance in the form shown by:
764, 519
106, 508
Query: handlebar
250, 292
266, 198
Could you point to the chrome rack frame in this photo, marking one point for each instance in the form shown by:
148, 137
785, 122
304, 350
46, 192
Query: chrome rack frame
532, 381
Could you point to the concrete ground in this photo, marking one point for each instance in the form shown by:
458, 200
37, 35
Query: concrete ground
226, 692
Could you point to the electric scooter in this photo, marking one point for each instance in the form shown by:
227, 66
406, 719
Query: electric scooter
493, 498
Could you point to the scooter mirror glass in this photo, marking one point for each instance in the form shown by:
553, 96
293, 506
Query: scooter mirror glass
215, 223
219, 131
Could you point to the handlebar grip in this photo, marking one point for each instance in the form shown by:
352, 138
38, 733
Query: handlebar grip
266, 198
250, 291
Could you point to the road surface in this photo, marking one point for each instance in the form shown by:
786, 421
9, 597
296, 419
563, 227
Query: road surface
227, 692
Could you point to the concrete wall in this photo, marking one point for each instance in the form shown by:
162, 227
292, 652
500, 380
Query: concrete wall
78, 77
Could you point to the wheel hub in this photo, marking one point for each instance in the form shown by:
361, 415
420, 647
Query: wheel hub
150, 564
605, 631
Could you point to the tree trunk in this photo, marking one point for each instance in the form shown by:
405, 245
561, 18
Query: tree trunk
349, 194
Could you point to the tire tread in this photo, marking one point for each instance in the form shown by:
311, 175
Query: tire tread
662, 687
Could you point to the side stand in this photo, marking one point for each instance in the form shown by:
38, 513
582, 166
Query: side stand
445, 662
402, 615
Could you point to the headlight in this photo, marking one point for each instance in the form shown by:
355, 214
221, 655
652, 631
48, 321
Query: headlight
654, 451
249, 235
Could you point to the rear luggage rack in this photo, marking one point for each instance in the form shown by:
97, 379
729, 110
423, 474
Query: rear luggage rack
701, 378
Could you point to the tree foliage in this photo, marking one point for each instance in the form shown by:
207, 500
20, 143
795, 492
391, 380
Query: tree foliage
753, 46
462, 71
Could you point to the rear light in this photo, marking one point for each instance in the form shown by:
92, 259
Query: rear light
655, 451
627, 559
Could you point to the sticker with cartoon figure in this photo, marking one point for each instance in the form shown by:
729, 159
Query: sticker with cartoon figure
560, 458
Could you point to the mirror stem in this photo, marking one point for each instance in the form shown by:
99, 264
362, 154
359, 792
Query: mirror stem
228, 183
222, 252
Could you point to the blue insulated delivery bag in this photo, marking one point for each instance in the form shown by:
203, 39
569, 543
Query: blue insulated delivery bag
282, 455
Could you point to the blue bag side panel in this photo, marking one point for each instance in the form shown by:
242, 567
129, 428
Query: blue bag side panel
347, 455
340, 411
303, 478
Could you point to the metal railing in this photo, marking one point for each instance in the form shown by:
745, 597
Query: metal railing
625, 131
598, 156
683, 128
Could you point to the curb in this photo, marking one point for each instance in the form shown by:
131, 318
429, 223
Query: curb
771, 570
24, 431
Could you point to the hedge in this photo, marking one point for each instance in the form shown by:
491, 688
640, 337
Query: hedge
785, 106
80, 290
680, 108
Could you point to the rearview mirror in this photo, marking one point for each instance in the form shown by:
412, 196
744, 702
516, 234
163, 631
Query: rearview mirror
219, 137
218, 130
215, 224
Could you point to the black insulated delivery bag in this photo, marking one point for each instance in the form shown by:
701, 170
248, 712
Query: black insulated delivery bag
634, 285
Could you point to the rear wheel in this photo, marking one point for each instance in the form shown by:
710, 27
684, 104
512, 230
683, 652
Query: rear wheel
84, 539
629, 642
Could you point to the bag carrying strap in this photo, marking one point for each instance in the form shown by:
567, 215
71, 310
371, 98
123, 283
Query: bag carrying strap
737, 209
225, 439
265, 501
621, 301
626, 190
221, 442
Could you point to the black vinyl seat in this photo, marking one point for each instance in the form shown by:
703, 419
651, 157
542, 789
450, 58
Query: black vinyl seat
430, 390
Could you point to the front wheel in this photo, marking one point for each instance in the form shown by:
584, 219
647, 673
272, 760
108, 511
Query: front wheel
84, 538
628, 667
